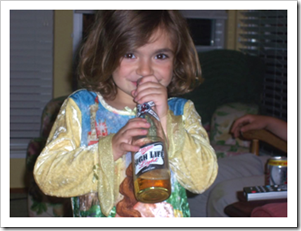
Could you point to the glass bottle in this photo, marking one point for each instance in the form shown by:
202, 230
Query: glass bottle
150, 164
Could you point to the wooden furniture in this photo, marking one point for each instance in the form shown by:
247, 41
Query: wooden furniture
263, 135
244, 208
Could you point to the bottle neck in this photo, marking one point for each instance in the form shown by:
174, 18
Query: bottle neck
146, 108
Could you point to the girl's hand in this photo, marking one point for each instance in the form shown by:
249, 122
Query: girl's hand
150, 89
122, 140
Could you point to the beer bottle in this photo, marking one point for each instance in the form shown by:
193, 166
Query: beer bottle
150, 164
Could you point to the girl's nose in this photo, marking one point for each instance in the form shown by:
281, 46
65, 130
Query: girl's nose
145, 68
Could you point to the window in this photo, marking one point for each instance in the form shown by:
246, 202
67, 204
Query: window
207, 27
31, 54
264, 33
203, 36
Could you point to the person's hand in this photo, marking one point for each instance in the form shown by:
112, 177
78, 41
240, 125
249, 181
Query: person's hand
122, 140
248, 122
150, 89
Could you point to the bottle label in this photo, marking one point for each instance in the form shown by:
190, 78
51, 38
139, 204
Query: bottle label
149, 157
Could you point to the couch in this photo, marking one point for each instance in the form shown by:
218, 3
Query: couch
232, 87
40, 205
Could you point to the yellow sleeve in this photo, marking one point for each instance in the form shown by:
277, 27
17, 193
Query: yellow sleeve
66, 169
191, 156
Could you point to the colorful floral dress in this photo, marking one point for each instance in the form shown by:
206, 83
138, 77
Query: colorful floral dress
77, 160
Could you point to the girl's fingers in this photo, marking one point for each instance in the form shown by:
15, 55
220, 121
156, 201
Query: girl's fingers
129, 147
149, 87
128, 134
122, 143
136, 123
150, 90
148, 82
134, 93
147, 79
151, 97
158, 94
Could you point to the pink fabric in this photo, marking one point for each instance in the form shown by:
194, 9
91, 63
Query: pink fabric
270, 210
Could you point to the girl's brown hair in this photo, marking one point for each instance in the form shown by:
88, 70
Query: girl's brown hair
115, 33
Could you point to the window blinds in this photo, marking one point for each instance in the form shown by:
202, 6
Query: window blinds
264, 33
31, 64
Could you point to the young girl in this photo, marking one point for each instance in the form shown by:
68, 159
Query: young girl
89, 147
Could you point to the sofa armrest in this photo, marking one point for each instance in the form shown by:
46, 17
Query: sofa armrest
263, 135
34, 148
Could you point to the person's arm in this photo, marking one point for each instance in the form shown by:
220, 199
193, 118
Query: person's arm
67, 169
191, 156
256, 122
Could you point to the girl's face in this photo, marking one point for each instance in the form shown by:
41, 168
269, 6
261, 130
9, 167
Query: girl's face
152, 59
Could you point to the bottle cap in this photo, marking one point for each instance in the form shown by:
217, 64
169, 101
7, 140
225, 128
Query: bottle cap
144, 108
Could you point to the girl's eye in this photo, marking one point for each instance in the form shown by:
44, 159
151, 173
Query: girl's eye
161, 56
129, 56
